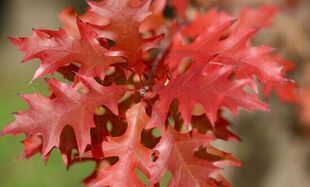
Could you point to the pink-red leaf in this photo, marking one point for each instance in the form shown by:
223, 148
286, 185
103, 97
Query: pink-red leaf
131, 152
56, 49
48, 117
208, 85
125, 18
192, 160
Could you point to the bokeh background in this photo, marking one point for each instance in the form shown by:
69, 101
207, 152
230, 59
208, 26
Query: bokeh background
275, 147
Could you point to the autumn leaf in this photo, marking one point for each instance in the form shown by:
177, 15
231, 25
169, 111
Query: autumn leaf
124, 26
130, 151
48, 117
56, 49
208, 85
191, 159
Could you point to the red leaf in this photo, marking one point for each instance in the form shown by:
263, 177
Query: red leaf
123, 28
130, 151
218, 35
56, 49
208, 85
192, 160
48, 117
202, 50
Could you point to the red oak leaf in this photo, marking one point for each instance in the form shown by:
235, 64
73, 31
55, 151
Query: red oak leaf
56, 49
260, 61
270, 68
48, 117
131, 152
208, 85
102, 118
192, 160
201, 50
229, 42
123, 28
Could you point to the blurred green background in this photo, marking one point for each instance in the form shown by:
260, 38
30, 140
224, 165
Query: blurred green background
275, 148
